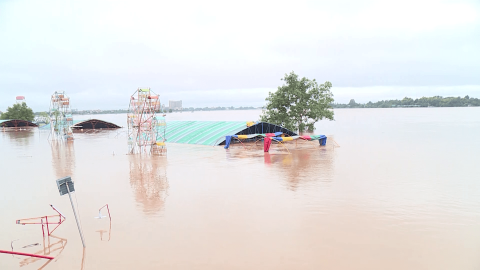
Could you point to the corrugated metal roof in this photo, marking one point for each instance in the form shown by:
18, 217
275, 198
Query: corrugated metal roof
30, 124
94, 123
202, 132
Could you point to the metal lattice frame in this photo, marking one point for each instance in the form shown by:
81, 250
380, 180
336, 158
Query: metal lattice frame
143, 123
61, 119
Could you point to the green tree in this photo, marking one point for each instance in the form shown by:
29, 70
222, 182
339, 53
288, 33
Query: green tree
352, 103
18, 112
407, 101
299, 103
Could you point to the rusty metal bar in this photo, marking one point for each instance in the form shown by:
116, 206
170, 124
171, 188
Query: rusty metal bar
26, 254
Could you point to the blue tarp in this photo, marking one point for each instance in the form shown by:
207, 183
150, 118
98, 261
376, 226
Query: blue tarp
322, 140
228, 139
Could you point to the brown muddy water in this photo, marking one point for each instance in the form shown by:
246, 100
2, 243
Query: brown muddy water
401, 192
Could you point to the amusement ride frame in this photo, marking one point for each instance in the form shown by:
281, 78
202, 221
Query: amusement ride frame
146, 130
61, 119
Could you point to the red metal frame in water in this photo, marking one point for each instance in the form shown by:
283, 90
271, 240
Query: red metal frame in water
44, 221
27, 254
107, 209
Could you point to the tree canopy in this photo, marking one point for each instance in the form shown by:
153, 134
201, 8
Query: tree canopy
299, 103
18, 112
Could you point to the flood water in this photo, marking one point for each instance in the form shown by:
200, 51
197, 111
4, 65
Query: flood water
402, 191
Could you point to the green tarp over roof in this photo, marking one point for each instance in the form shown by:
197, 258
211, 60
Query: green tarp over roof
202, 132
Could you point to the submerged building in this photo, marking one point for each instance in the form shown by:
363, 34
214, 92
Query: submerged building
218, 132
16, 123
93, 124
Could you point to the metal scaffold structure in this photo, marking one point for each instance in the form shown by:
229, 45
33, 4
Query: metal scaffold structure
61, 119
146, 130
160, 148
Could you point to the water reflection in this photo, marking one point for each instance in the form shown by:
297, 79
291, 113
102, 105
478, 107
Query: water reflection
63, 158
19, 137
304, 166
50, 248
148, 178
296, 163
101, 232
82, 266
100, 216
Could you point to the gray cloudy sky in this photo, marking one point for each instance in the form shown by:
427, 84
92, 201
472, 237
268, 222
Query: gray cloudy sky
223, 53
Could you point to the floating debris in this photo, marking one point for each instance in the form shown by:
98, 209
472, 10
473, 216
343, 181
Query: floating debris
32, 245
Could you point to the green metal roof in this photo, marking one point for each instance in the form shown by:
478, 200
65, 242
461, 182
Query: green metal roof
202, 132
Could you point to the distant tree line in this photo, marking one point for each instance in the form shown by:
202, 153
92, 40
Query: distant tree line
220, 108
436, 101
169, 110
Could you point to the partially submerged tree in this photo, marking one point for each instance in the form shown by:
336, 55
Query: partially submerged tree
299, 103
18, 112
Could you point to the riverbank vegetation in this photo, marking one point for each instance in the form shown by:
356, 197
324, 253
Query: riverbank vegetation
436, 101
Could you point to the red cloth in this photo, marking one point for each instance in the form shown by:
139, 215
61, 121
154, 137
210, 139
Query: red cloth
306, 137
270, 134
266, 144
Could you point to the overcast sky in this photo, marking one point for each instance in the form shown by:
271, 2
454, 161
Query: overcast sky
231, 53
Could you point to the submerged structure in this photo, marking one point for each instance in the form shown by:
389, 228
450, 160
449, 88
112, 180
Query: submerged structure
146, 129
61, 119
93, 124
149, 182
43, 220
201, 132
16, 123
278, 137
226, 132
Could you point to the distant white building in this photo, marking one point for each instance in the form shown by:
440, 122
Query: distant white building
175, 105
20, 99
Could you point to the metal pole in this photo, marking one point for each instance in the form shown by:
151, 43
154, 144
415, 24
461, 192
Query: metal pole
75, 214
27, 254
